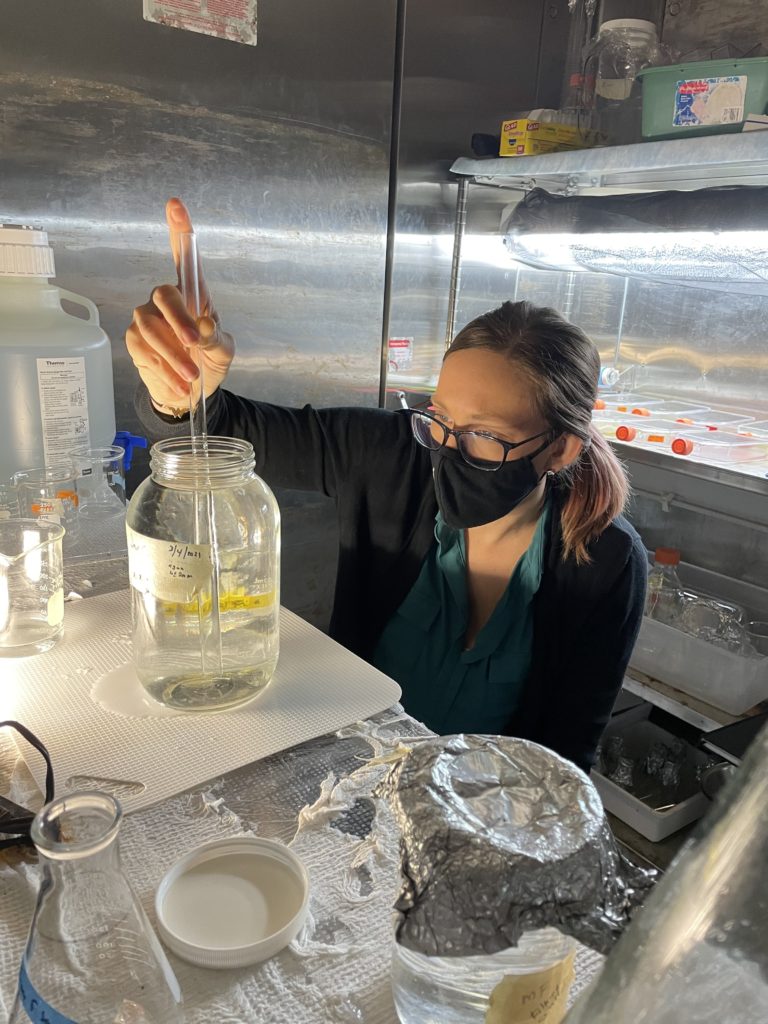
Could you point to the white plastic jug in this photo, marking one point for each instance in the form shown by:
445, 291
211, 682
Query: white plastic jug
56, 390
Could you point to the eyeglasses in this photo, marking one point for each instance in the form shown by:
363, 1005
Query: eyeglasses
478, 449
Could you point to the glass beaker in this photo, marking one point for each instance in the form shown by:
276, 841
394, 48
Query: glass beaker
31, 586
204, 565
50, 493
91, 956
100, 482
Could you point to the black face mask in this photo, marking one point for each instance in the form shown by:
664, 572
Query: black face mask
467, 496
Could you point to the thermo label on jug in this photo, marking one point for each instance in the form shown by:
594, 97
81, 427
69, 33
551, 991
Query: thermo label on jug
168, 570
63, 404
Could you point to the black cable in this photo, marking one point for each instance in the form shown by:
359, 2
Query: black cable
19, 819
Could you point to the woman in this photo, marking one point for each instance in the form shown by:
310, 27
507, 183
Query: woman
483, 560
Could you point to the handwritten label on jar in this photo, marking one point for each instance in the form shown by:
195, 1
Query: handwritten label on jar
168, 570
538, 998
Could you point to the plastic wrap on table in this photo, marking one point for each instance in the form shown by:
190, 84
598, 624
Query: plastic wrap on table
650, 235
502, 836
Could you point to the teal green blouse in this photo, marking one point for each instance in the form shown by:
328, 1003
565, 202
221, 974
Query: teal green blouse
445, 686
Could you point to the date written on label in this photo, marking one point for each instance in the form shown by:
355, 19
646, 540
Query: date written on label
182, 559
168, 570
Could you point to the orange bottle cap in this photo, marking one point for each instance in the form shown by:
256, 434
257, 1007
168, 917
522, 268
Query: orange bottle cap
682, 446
599, 403
641, 412
667, 556
624, 433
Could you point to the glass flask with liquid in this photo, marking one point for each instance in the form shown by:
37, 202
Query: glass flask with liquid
91, 956
204, 565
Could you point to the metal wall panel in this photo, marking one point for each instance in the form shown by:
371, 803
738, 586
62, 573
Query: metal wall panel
281, 151
709, 24
467, 67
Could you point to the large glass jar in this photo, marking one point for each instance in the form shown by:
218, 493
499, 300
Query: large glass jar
465, 989
623, 47
204, 561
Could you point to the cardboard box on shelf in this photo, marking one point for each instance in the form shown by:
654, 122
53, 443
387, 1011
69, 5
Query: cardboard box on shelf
524, 137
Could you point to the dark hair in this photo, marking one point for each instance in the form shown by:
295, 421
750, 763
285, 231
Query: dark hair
562, 365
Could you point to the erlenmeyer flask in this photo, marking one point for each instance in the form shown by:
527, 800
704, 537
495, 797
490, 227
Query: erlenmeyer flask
91, 955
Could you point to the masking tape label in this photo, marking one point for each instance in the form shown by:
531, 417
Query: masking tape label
538, 998
168, 570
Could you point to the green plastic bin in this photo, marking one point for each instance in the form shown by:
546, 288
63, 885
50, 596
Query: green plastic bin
705, 97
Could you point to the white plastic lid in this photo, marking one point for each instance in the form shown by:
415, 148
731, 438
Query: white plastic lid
631, 24
24, 252
233, 902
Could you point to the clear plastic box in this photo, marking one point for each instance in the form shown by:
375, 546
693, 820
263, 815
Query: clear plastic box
731, 682
714, 420
626, 402
673, 409
720, 447
648, 432
755, 428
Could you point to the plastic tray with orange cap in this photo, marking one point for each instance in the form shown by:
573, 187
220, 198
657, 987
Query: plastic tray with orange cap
722, 447
714, 420
643, 405
648, 432
753, 428
626, 402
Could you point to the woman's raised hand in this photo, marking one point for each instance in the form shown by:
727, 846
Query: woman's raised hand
163, 340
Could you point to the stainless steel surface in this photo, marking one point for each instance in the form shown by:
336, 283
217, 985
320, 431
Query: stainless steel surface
648, 166
688, 709
731, 546
708, 24
467, 68
281, 151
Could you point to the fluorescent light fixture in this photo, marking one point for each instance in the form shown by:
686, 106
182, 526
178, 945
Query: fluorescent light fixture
700, 257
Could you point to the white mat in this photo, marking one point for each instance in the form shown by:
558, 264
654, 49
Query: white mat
318, 687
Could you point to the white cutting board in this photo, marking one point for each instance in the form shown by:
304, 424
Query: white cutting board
318, 687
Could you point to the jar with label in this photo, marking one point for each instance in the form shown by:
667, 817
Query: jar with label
622, 48
204, 563
506, 861
521, 985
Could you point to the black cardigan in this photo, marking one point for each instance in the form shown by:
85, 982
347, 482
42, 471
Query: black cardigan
586, 617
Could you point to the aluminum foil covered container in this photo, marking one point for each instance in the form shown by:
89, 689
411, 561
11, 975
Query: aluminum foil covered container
502, 836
